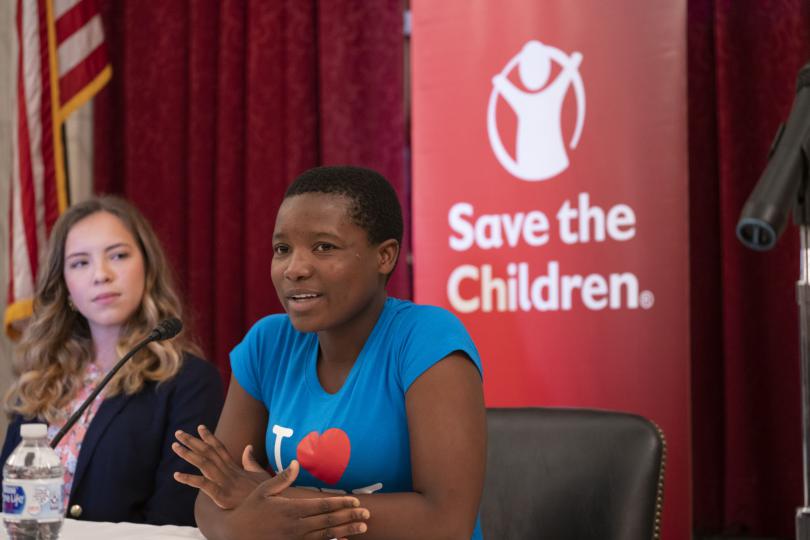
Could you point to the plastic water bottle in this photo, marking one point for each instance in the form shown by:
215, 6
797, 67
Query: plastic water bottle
32, 488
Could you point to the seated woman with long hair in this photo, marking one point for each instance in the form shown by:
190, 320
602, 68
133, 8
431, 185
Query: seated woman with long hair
104, 285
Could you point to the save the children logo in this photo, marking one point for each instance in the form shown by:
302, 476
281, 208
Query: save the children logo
540, 149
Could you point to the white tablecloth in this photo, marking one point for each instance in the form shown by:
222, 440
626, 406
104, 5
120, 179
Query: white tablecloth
88, 530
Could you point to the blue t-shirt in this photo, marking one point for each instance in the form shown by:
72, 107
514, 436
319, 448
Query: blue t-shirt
355, 440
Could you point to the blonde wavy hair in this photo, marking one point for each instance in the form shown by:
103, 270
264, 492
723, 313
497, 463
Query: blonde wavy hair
57, 345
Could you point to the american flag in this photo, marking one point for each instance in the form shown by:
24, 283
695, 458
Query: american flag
62, 62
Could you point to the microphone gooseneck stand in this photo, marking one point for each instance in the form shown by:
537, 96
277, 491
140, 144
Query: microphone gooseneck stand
803, 298
99, 387
801, 215
167, 329
785, 186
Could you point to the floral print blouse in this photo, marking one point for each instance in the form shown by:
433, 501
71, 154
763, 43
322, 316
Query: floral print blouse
71, 444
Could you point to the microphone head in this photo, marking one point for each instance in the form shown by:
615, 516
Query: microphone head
167, 329
777, 192
756, 234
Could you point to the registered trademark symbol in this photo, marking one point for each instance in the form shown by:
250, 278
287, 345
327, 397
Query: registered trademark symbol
646, 299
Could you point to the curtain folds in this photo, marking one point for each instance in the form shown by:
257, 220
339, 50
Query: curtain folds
216, 105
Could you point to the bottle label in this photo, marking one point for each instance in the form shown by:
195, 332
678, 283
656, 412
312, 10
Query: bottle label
33, 499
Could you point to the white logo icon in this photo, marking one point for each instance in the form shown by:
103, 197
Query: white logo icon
540, 151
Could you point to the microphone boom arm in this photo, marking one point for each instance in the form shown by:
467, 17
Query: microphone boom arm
99, 387
785, 185
167, 329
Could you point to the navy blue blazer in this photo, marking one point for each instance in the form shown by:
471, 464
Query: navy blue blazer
125, 466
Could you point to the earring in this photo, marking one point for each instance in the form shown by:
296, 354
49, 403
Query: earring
71, 305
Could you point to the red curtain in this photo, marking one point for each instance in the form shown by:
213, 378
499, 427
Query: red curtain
743, 59
216, 105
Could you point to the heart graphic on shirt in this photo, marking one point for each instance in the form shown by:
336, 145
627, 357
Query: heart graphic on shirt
326, 455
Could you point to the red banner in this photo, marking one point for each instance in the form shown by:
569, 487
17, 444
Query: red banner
550, 204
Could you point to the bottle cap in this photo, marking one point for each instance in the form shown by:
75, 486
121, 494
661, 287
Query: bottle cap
33, 431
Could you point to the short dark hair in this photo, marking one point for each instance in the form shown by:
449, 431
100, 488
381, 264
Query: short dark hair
374, 204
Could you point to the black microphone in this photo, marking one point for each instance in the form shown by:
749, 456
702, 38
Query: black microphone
167, 329
765, 213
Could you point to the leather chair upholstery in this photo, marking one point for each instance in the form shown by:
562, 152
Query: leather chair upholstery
578, 474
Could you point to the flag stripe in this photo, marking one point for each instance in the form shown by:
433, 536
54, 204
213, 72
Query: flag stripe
69, 22
60, 7
11, 213
22, 275
74, 81
25, 174
74, 49
49, 182
19, 266
36, 144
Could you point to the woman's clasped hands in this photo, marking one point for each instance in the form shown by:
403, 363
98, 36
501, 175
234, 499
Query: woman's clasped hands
254, 498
